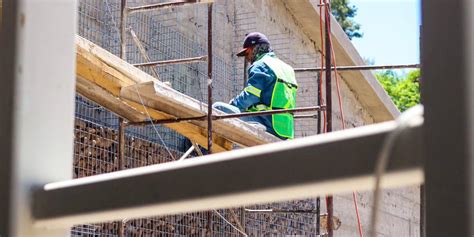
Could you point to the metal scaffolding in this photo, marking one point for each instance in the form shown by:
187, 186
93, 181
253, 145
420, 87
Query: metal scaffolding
126, 11
107, 143
31, 199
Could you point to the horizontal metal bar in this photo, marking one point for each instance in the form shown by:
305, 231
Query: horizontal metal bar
227, 116
357, 68
304, 116
155, 6
296, 169
269, 112
279, 211
173, 61
164, 121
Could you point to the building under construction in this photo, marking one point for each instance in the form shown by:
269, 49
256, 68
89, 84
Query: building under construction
146, 71
181, 32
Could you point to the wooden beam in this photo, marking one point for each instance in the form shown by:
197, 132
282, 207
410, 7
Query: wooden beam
100, 77
158, 96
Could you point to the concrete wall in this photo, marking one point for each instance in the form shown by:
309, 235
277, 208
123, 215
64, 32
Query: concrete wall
400, 209
294, 47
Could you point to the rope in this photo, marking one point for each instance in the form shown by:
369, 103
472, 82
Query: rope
403, 121
141, 101
228, 222
339, 97
152, 124
139, 96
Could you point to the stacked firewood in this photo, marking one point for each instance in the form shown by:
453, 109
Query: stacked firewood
259, 224
96, 152
182, 225
94, 230
94, 149
139, 152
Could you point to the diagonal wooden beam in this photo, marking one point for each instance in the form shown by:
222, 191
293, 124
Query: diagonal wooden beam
163, 98
100, 77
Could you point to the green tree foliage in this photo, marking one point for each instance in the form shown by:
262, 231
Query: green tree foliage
343, 12
404, 91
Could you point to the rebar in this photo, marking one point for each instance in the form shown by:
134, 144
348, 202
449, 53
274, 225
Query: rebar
269, 112
228, 116
122, 124
121, 162
209, 79
143, 52
155, 6
318, 216
236, 219
329, 199
165, 121
280, 211
123, 34
172, 61
306, 116
209, 226
357, 68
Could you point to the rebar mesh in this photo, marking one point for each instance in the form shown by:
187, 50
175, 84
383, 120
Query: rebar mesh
174, 34
278, 224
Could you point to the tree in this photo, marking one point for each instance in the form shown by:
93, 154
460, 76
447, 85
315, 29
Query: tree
343, 12
405, 92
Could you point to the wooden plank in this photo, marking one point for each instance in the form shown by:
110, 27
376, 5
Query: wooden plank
104, 98
158, 96
100, 77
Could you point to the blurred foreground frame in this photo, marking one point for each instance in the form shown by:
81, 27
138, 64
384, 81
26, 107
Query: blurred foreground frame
443, 148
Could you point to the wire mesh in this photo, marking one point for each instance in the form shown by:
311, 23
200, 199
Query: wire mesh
173, 34
278, 224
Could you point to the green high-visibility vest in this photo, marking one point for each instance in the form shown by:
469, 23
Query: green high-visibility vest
283, 96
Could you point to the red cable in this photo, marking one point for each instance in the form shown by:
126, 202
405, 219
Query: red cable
354, 194
359, 225
336, 75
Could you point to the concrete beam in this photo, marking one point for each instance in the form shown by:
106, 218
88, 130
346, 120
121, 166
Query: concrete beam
363, 83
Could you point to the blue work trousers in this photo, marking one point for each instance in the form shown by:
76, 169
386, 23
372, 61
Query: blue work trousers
256, 121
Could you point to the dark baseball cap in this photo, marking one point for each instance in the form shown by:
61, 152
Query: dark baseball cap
252, 39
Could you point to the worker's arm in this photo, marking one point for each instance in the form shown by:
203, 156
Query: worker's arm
259, 78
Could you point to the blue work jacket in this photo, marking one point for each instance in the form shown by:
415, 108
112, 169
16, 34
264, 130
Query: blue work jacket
258, 90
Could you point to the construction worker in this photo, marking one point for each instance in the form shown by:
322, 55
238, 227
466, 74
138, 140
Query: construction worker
271, 85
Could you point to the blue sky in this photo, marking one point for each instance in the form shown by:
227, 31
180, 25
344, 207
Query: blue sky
391, 30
